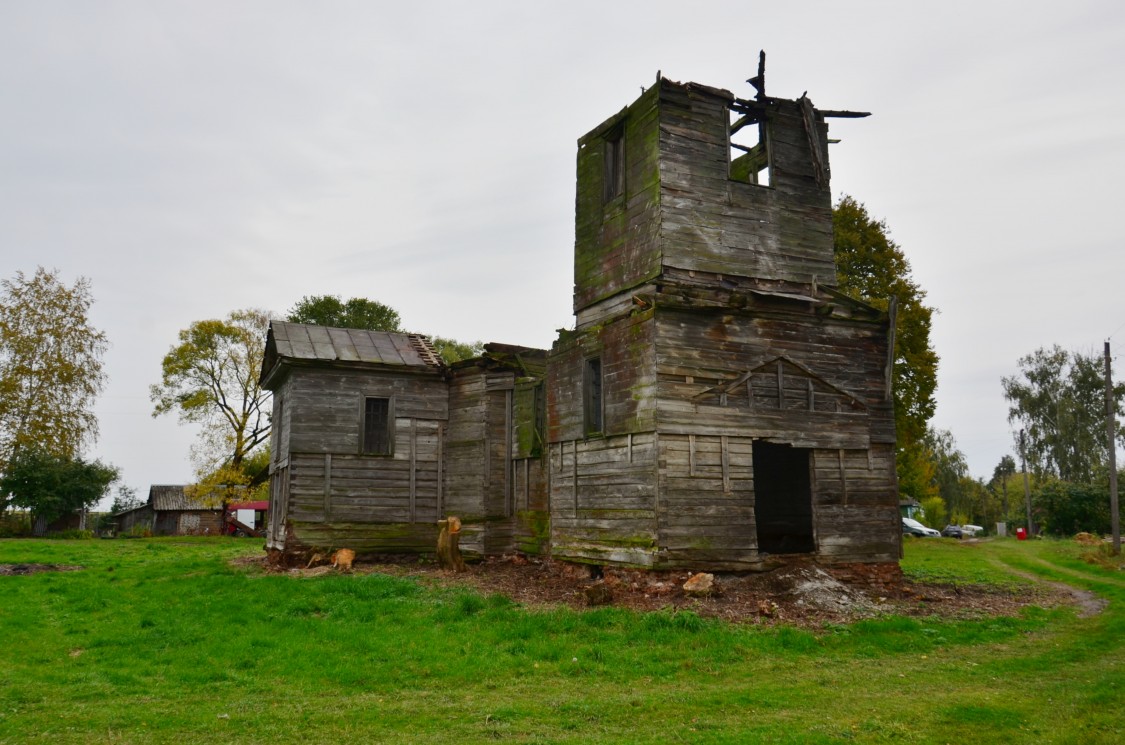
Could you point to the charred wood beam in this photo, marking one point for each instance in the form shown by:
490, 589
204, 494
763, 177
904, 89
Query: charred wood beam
759, 80
835, 114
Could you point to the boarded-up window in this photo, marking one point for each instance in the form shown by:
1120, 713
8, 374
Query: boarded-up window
592, 383
614, 178
377, 420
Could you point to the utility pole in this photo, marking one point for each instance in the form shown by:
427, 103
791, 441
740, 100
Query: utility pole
1111, 443
1026, 487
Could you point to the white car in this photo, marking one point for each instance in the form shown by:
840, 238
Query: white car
971, 531
913, 527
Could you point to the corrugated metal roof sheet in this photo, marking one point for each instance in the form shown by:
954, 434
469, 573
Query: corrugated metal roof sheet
298, 341
172, 497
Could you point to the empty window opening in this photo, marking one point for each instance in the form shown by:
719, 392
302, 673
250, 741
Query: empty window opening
783, 499
377, 420
749, 149
592, 384
614, 158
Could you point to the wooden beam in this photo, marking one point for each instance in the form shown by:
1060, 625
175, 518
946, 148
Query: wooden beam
413, 470
328, 487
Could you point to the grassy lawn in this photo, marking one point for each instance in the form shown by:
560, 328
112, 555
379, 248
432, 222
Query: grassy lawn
164, 640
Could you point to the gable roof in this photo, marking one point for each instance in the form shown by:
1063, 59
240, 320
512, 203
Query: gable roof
301, 342
172, 497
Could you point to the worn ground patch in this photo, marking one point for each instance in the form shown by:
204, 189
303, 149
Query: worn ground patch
799, 593
20, 569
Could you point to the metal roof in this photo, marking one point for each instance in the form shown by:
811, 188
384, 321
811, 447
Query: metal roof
306, 342
172, 497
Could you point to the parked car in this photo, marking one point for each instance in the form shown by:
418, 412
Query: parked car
952, 531
911, 526
971, 531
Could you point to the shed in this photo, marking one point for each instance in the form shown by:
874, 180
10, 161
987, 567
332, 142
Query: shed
359, 423
170, 511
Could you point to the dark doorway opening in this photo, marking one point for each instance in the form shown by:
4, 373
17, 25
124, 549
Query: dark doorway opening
783, 499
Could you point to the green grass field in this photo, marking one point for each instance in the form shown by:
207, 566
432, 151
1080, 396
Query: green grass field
165, 640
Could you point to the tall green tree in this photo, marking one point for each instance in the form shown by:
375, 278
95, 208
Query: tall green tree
873, 268
452, 350
1058, 400
50, 365
354, 313
50, 485
950, 470
211, 378
1001, 478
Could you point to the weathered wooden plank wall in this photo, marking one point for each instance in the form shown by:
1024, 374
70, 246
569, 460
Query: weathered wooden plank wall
603, 499
711, 223
328, 405
707, 501
326, 491
615, 241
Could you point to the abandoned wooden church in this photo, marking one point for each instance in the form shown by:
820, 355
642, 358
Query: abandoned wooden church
717, 404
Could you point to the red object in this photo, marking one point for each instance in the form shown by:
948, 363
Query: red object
263, 505
1021, 534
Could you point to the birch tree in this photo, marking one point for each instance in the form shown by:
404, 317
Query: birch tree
50, 365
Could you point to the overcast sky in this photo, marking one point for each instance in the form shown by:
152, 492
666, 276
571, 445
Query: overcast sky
191, 158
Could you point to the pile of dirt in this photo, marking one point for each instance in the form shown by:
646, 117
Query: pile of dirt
800, 593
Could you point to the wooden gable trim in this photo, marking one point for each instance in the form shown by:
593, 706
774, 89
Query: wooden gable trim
725, 389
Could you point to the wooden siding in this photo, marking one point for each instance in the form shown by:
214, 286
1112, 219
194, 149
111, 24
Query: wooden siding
627, 350
484, 443
326, 405
707, 502
325, 494
680, 208
714, 224
615, 241
603, 499
838, 363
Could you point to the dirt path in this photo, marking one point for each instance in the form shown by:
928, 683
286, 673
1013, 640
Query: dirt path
1089, 603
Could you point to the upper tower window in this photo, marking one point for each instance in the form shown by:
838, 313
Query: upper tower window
614, 158
750, 160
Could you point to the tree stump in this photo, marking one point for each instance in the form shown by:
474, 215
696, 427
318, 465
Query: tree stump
448, 544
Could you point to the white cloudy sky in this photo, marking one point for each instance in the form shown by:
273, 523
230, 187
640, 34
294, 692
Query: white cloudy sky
191, 158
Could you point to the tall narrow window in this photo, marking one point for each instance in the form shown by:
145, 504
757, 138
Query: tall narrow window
592, 384
614, 157
377, 421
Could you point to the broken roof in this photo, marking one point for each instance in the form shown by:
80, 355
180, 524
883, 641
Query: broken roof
300, 342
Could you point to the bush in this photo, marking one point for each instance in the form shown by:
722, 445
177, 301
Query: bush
73, 535
1064, 509
15, 524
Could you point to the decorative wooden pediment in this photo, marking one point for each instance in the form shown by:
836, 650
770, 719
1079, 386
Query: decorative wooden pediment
783, 383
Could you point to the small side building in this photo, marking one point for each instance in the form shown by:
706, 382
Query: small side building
359, 421
170, 511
